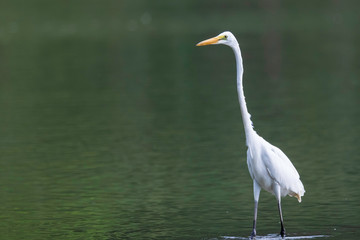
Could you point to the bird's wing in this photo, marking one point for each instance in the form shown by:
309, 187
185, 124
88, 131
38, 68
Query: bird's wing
279, 167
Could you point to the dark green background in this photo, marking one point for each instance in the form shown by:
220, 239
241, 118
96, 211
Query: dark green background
113, 125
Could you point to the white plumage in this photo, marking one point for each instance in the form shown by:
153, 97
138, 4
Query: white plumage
269, 167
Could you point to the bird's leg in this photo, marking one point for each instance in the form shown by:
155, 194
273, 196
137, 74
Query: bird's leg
282, 231
277, 192
257, 189
253, 233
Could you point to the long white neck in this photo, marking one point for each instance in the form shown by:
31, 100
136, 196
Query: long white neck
248, 125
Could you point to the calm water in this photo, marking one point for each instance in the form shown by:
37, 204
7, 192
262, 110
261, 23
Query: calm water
113, 125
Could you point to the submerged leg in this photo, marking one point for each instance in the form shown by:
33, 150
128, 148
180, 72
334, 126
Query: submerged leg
278, 197
256, 200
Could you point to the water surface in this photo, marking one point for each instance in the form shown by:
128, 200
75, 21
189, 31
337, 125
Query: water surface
115, 126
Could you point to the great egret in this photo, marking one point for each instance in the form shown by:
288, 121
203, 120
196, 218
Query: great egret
269, 167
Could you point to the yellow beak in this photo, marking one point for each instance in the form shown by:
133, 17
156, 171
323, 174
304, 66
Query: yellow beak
208, 41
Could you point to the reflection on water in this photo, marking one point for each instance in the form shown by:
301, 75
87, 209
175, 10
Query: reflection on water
277, 237
114, 126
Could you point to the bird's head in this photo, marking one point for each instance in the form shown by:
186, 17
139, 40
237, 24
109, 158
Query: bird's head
226, 38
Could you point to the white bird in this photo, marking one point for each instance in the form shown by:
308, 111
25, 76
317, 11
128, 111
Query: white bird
269, 167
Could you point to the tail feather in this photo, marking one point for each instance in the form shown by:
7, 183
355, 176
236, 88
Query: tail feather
297, 195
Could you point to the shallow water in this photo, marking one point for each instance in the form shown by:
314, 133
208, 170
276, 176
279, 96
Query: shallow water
115, 126
275, 236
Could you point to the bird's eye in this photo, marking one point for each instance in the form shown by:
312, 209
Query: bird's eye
225, 37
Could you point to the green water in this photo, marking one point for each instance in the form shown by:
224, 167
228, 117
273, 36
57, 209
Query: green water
113, 125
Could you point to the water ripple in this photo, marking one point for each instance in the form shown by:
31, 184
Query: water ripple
276, 236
